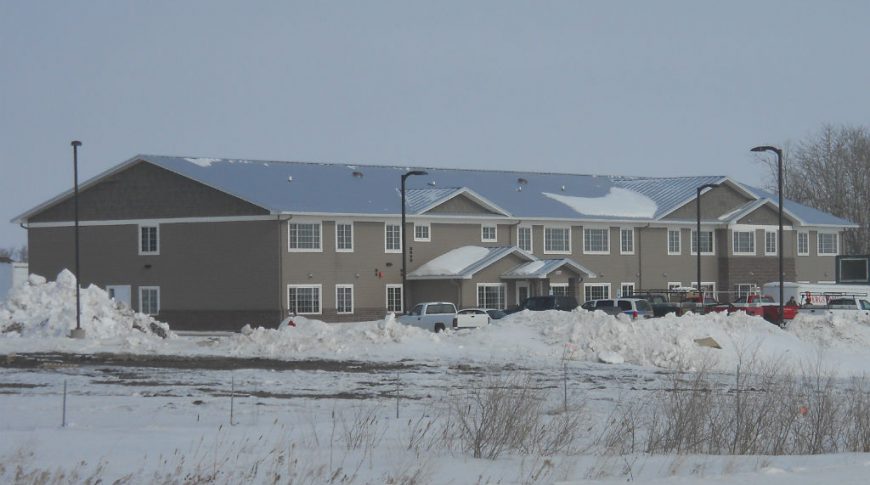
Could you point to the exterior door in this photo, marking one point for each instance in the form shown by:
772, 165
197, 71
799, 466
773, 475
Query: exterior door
522, 292
120, 293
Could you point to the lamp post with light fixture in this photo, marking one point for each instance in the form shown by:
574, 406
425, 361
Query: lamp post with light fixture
778, 151
698, 237
404, 245
77, 332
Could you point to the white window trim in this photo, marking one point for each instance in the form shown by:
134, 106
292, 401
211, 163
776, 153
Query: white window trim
488, 226
393, 251
319, 298
158, 298
149, 253
679, 250
712, 243
352, 230
775, 243
596, 228
631, 229
531, 238
798, 246
387, 297
624, 284
337, 287
819, 246
318, 249
596, 285
428, 232
503, 286
674, 284
569, 239
743, 253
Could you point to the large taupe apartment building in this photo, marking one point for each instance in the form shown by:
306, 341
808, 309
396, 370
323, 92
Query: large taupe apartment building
215, 244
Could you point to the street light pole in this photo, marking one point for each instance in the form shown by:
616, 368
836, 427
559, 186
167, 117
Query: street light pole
779, 248
78, 332
698, 237
404, 246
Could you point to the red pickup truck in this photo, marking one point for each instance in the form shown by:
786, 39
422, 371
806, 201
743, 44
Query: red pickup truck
762, 306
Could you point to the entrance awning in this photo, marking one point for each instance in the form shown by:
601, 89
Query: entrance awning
542, 268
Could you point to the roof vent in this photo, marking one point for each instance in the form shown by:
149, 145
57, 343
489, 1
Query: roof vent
522, 181
290, 178
519, 188
357, 174
431, 183
563, 188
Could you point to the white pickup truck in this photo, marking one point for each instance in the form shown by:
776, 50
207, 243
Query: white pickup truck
840, 304
439, 316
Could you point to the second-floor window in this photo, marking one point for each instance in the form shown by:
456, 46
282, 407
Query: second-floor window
803, 244
706, 242
344, 236
557, 240
596, 240
304, 236
422, 233
673, 241
393, 238
149, 240
524, 238
743, 242
770, 243
626, 241
488, 234
827, 243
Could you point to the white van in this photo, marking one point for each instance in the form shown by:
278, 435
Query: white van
813, 293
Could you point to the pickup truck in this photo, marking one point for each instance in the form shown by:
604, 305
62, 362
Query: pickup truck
441, 315
762, 306
847, 304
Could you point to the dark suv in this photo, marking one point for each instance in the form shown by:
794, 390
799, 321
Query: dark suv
551, 302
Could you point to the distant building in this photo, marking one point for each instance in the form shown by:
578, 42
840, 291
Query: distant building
12, 274
214, 244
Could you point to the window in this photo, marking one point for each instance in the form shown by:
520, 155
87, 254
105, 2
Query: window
304, 236
626, 289
673, 241
596, 291
491, 295
559, 289
344, 299
770, 243
488, 234
303, 299
827, 243
149, 300
673, 285
706, 242
344, 237
149, 240
524, 238
394, 298
744, 243
422, 233
596, 240
803, 244
626, 241
392, 238
744, 289
557, 240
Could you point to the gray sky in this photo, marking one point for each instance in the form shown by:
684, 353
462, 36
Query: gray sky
624, 88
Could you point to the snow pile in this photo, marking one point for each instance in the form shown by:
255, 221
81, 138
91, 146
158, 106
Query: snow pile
42, 309
839, 330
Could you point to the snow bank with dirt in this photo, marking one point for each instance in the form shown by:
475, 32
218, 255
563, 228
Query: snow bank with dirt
47, 309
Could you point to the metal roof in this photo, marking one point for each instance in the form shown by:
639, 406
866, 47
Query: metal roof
331, 188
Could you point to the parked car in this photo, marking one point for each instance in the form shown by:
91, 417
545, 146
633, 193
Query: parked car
547, 302
842, 304
495, 313
677, 301
441, 315
633, 307
762, 306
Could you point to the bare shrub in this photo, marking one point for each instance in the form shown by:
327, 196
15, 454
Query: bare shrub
506, 413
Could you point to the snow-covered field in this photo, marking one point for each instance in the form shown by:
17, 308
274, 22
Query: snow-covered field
320, 423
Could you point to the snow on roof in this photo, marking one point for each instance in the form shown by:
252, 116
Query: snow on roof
452, 262
618, 202
541, 269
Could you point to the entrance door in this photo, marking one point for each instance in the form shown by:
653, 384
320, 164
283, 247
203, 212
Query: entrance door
120, 293
522, 292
